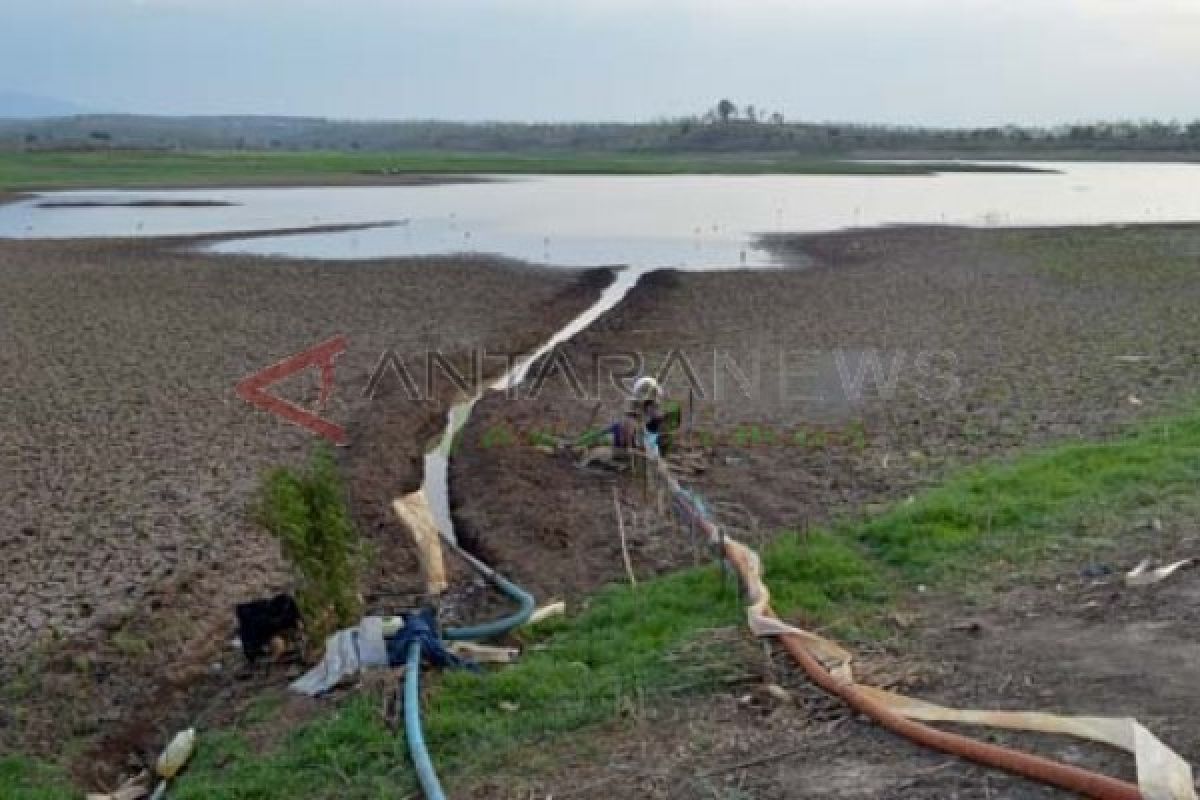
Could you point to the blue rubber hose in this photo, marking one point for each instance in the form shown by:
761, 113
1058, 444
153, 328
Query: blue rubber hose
501, 626
417, 750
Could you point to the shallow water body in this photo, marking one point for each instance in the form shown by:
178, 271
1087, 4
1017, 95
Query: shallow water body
683, 221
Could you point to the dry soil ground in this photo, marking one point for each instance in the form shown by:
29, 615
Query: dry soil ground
987, 341
130, 464
1028, 336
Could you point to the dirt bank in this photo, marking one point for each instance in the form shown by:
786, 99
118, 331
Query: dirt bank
1031, 336
135, 204
132, 461
296, 180
894, 356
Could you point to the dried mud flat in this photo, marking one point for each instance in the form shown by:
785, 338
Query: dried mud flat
1027, 336
1042, 335
130, 463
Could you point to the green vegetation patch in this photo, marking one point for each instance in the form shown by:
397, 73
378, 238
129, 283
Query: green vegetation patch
307, 512
1142, 257
133, 168
26, 779
1019, 510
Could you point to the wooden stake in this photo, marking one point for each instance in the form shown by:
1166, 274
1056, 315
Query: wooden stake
485, 654
546, 611
624, 544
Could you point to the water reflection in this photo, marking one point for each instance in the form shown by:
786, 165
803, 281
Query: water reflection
689, 221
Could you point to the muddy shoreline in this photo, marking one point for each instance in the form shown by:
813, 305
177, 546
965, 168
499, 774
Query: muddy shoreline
260, 182
68, 204
281, 182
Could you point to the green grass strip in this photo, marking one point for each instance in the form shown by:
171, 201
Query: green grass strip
26, 779
575, 673
131, 168
1019, 510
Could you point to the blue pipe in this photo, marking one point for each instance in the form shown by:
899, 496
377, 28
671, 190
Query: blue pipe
417, 750
497, 627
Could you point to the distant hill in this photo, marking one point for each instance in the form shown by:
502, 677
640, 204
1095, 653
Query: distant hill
709, 135
19, 105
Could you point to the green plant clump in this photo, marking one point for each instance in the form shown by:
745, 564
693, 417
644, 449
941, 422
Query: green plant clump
307, 512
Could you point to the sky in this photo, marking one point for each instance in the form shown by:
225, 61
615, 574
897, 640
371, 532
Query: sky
931, 62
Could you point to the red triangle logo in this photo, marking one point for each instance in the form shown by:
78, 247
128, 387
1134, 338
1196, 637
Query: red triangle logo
252, 389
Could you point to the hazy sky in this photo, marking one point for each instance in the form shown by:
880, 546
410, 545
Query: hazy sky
906, 61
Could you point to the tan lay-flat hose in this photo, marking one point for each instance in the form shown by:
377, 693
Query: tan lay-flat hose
1027, 765
1064, 776
1044, 770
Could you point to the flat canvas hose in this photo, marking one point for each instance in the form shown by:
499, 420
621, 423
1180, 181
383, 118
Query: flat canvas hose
1064, 776
1044, 770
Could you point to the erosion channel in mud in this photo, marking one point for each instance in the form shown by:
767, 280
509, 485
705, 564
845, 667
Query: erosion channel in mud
437, 460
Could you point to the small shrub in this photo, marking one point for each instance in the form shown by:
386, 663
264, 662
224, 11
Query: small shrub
307, 512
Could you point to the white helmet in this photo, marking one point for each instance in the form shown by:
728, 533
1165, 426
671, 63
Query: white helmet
646, 387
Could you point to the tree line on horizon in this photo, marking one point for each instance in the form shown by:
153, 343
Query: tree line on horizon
724, 128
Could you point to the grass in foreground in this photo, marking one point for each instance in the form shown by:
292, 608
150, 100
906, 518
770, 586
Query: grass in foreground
627, 645
630, 644
130, 168
24, 779
1056, 500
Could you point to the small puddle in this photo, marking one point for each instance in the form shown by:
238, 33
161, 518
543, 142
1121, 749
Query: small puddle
437, 460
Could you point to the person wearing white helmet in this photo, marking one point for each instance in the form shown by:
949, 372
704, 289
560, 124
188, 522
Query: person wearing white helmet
642, 426
647, 396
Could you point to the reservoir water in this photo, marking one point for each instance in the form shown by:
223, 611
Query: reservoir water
688, 221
